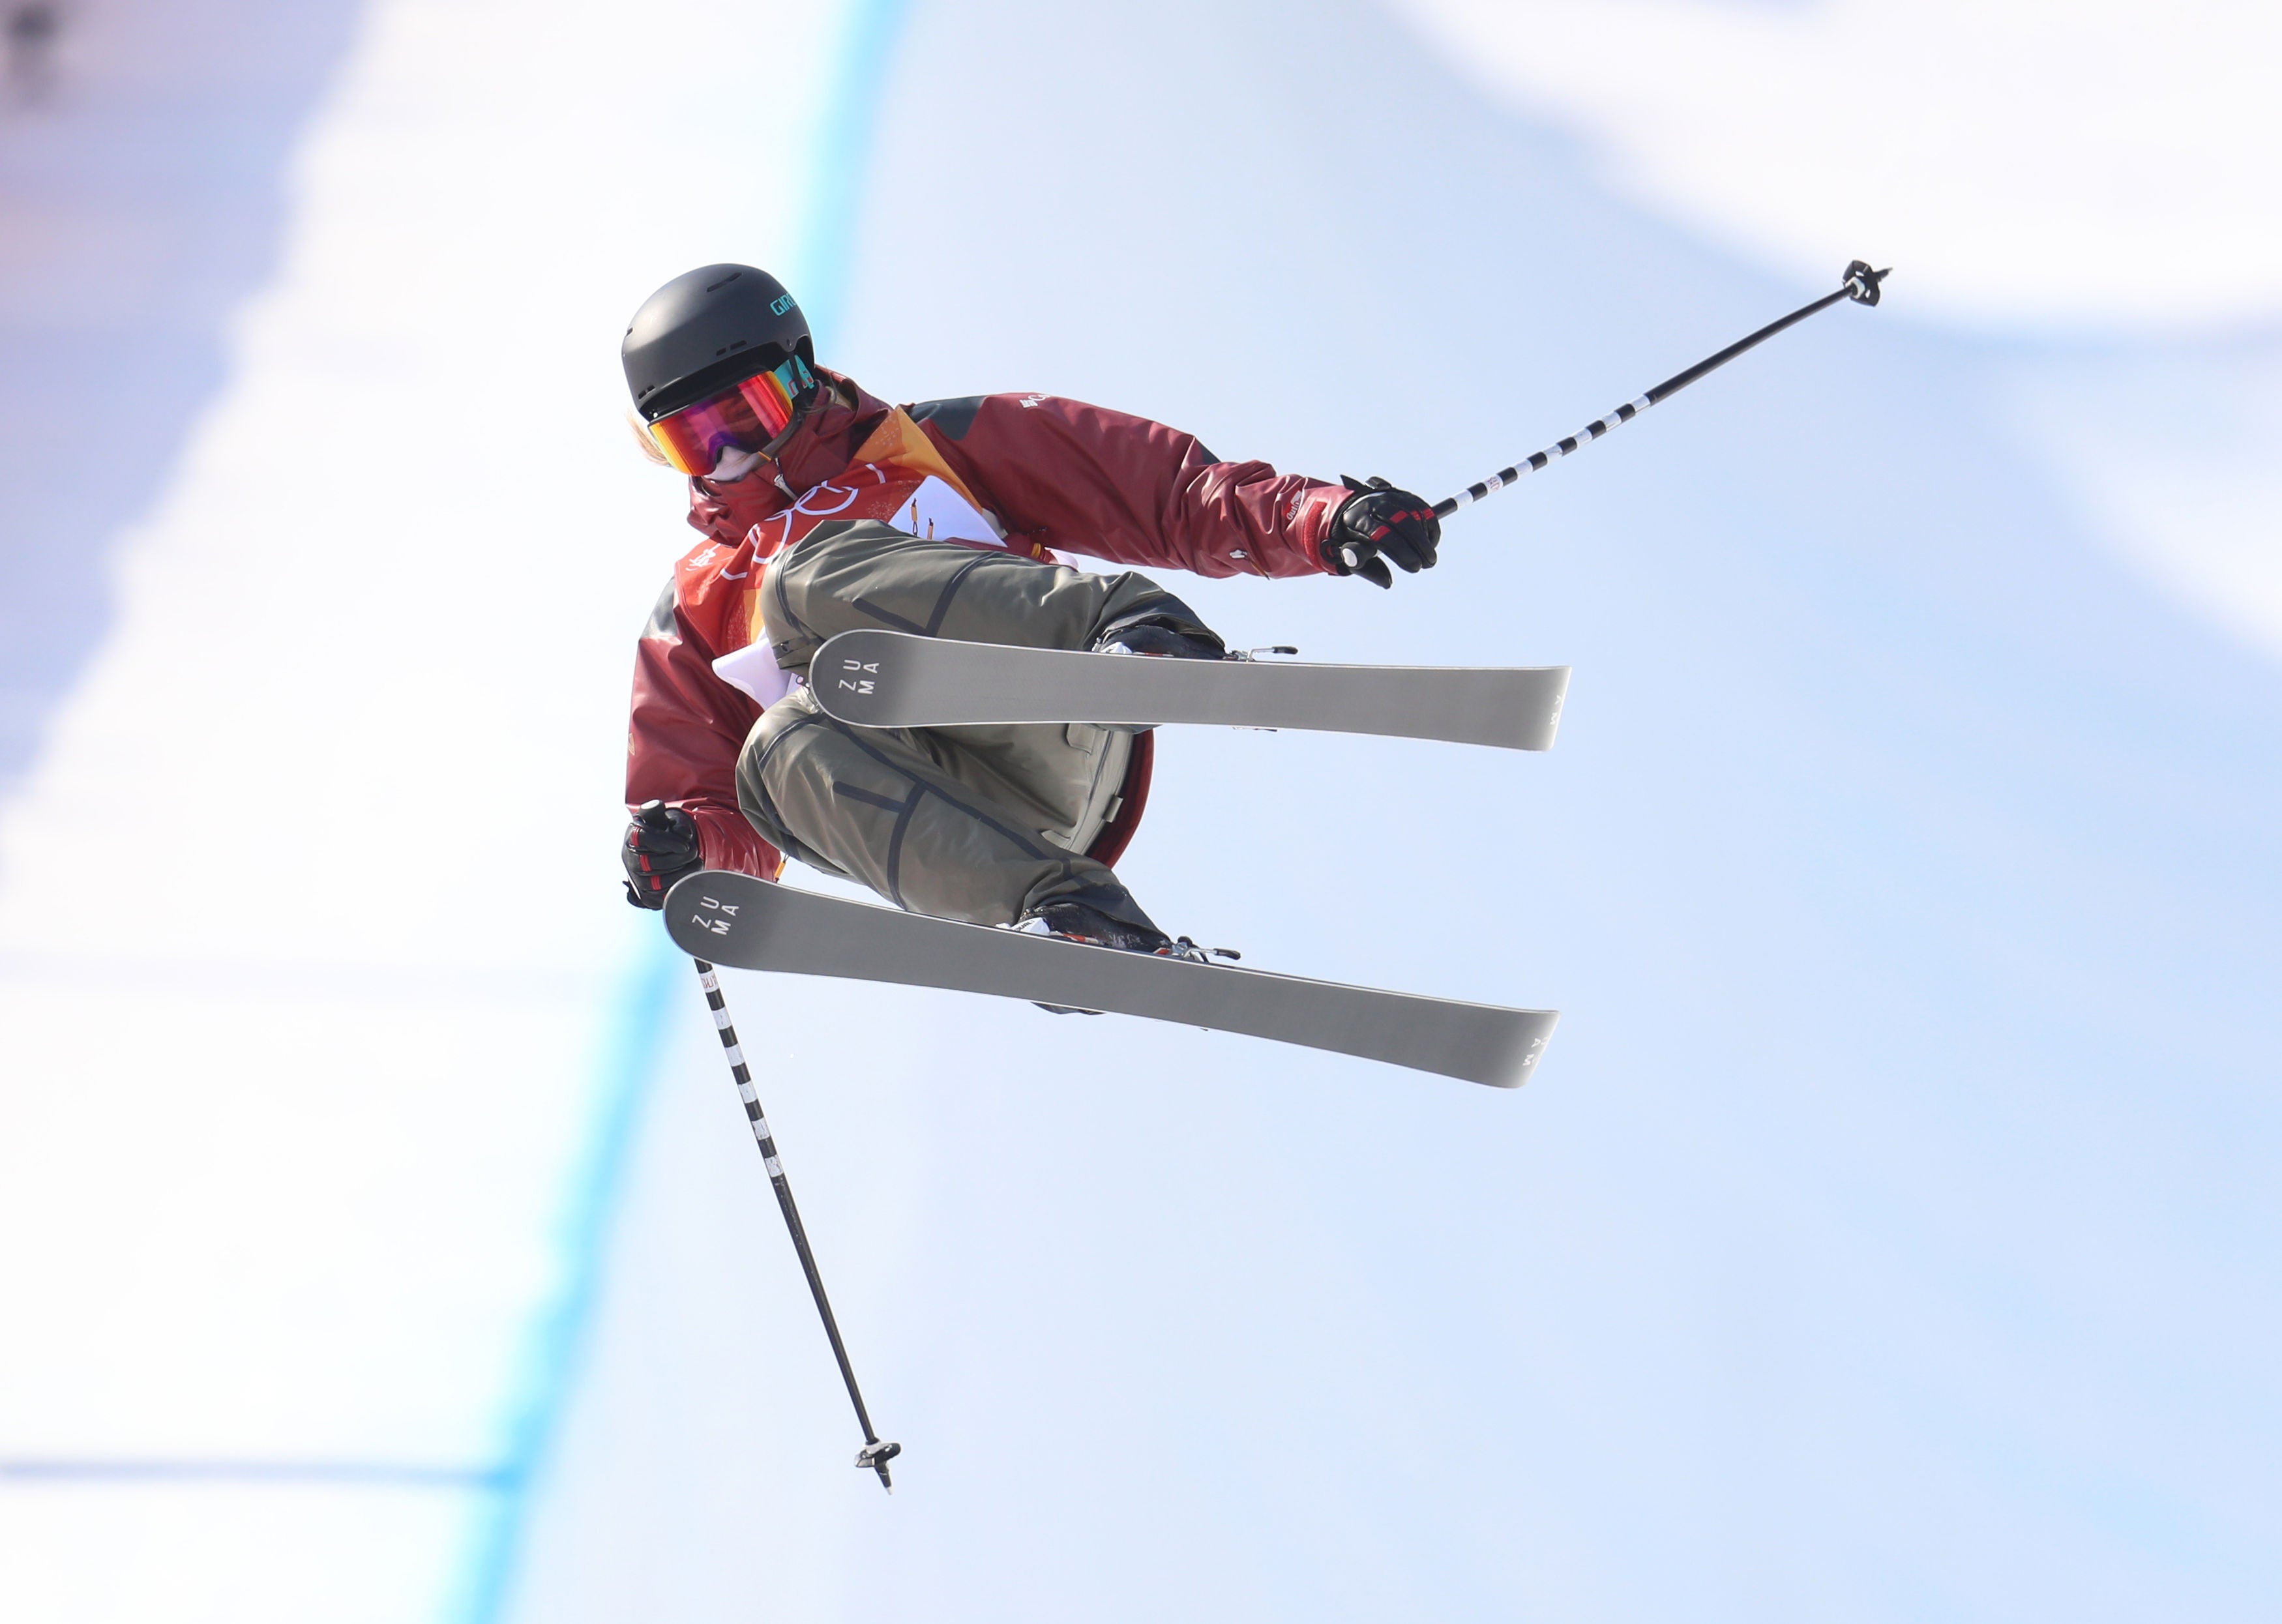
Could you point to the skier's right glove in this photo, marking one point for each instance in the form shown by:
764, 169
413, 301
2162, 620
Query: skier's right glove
661, 846
1378, 523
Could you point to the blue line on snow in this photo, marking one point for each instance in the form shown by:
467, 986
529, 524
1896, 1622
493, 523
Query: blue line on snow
823, 267
628, 1060
345, 1473
869, 31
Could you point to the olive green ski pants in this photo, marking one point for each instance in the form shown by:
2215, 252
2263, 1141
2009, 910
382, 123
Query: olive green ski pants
980, 824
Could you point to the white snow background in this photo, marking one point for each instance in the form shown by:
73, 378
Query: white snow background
1892, 1231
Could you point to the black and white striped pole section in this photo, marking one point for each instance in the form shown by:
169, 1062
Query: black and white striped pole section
875, 1454
1861, 286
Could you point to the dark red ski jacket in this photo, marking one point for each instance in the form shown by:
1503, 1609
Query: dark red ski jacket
1049, 476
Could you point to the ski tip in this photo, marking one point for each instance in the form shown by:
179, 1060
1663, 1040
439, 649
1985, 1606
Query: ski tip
1531, 1037
1560, 703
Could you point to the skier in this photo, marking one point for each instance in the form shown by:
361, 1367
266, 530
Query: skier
824, 509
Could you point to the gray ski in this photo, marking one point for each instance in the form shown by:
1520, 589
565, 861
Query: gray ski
752, 924
895, 679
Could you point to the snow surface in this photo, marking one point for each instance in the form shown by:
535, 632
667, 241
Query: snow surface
1889, 1234
297, 1143
2039, 163
2101, 173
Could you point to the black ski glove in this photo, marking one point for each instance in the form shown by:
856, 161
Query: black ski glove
659, 847
1378, 523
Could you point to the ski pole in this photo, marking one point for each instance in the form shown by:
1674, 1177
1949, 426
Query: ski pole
1861, 286
875, 1454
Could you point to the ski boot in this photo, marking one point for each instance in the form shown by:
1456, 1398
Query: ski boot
1082, 921
1166, 629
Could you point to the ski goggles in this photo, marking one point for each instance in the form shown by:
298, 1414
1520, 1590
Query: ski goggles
745, 416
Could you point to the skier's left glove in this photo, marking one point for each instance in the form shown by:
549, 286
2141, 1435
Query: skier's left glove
1378, 525
661, 846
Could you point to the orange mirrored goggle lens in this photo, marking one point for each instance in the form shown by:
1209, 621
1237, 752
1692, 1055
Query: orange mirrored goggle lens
746, 417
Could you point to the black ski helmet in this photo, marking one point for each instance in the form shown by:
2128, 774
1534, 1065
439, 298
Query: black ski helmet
706, 329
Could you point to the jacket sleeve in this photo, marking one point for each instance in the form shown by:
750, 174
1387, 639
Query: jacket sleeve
683, 738
1079, 479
